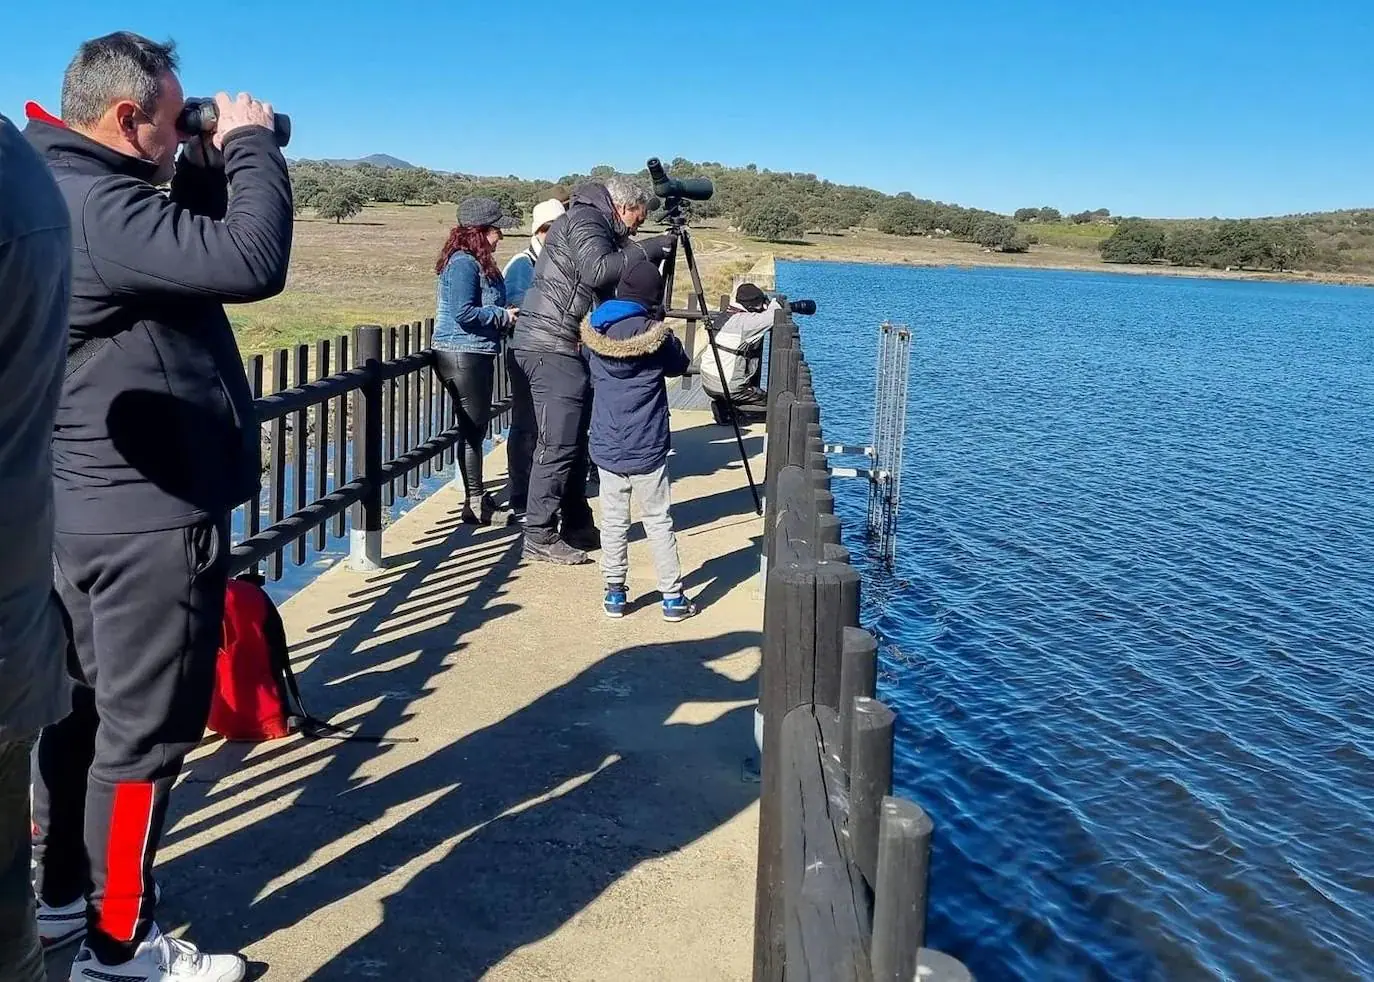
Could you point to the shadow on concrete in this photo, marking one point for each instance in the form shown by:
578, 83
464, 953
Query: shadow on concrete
516, 826
707, 449
504, 834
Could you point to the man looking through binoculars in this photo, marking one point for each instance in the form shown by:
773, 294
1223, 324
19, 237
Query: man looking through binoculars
156, 443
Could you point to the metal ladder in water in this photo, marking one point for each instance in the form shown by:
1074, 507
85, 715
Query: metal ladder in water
884, 454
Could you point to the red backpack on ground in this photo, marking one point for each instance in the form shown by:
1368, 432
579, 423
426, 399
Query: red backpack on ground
256, 697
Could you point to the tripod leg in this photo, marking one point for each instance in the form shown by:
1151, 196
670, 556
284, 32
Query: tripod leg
668, 270
720, 369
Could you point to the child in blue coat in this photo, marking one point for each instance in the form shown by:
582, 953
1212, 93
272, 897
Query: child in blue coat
630, 351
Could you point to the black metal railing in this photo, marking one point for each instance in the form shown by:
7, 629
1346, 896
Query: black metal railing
344, 437
843, 864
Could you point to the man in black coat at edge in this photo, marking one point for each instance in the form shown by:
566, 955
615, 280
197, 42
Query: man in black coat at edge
584, 254
155, 444
35, 279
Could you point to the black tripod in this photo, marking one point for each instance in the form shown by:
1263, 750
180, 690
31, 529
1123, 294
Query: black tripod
677, 227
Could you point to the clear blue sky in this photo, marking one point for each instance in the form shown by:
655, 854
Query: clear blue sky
1209, 107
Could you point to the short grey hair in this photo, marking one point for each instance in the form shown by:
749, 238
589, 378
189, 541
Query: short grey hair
626, 192
122, 65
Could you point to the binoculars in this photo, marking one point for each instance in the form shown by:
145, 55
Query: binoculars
199, 116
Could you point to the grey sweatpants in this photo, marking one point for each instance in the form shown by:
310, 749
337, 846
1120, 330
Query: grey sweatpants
651, 492
21, 959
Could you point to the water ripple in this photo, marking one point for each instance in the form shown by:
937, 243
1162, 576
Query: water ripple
1129, 634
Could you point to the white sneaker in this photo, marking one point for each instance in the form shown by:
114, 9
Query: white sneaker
160, 959
60, 926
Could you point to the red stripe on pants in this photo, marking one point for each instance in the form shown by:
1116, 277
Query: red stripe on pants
133, 809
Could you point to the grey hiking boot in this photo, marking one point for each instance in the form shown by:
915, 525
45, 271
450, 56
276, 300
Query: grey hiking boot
557, 551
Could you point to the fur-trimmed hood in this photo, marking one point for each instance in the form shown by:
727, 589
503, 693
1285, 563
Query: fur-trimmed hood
639, 345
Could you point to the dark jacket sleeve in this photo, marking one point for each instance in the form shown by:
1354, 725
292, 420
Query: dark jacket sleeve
599, 260
203, 190
673, 356
142, 242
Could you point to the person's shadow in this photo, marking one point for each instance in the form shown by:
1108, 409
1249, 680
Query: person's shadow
485, 844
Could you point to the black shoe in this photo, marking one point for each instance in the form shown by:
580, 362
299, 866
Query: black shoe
470, 517
557, 552
719, 414
586, 539
515, 518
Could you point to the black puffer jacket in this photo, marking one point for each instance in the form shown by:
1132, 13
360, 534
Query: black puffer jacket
584, 254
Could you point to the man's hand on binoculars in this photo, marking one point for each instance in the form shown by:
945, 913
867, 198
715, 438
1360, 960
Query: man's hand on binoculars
237, 113
201, 151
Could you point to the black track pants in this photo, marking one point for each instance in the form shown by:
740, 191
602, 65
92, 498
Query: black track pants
146, 612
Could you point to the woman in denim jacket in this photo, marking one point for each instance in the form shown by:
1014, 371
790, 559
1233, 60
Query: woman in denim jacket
470, 317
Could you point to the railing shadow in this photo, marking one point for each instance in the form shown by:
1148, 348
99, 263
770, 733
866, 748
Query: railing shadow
478, 846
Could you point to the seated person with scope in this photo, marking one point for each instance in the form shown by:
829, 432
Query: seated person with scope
739, 339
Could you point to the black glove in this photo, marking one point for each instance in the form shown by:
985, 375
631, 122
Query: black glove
656, 249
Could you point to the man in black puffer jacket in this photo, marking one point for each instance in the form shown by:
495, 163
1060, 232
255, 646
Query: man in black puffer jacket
155, 444
584, 254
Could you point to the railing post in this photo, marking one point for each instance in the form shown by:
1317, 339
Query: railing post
858, 679
787, 680
689, 342
869, 781
899, 903
365, 541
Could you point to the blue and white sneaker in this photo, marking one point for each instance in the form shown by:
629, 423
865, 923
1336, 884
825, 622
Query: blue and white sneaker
615, 601
678, 608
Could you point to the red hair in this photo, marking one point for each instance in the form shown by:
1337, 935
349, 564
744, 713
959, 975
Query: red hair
473, 240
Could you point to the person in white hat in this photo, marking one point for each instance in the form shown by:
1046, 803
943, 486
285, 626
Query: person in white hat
519, 274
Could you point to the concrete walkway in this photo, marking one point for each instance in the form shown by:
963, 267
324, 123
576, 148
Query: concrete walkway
574, 804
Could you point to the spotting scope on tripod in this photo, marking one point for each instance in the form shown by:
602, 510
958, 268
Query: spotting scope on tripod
673, 193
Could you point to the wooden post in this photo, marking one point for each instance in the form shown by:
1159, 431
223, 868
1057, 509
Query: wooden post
899, 907
300, 446
869, 781
833, 553
802, 414
825, 907
365, 546
390, 449
828, 529
858, 679
779, 424
321, 440
780, 340
277, 496
787, 677
341, 477
689, 341
936, 966
837, 608
795, 517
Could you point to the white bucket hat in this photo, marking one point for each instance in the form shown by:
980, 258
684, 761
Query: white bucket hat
545, 213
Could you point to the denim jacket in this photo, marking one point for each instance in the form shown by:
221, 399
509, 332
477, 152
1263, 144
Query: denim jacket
470, 310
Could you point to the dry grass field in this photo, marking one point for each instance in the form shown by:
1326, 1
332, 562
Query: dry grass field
379, 268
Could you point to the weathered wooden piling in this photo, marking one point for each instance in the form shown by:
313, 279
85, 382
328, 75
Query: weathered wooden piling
843, 865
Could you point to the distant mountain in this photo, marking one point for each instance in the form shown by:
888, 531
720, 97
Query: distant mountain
375, 159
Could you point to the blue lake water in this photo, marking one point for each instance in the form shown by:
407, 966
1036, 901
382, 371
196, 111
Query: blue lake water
1128, 635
